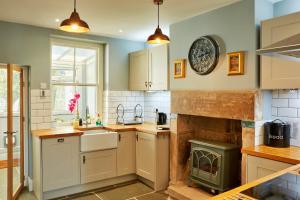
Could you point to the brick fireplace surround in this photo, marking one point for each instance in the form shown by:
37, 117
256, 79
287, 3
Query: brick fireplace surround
226, 116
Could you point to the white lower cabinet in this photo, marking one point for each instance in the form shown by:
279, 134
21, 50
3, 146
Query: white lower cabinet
145, 154
126, 153
60, 163
99, 165
260, 167
152, 159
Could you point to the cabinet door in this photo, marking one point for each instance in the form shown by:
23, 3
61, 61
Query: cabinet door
279, 73
145, 155
138, 70
126, 153
158, 68
261, 167
99, 165
60, 163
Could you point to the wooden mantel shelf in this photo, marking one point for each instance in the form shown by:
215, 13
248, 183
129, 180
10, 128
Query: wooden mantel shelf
289, 155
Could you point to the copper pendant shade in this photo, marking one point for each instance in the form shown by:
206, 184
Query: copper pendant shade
74, 24
158, 37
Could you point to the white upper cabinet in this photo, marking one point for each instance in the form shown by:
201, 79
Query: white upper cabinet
278, 73
138, 72
158, 68
148, 69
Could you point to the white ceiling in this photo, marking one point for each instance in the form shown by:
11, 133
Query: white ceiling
136, 18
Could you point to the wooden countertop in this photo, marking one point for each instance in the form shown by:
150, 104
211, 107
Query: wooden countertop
65, 132
56, 132
235, 193
147, 128
289, 155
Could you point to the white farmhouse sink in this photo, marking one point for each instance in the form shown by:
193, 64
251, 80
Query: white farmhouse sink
98, 140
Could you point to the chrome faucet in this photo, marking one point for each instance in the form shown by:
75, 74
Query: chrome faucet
87, 116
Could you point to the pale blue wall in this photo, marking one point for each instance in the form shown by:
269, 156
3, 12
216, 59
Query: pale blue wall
30, 45
234, 25
286, 7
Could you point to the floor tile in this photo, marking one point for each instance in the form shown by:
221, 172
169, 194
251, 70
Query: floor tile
26, 195
125, 192
154, 196
88, 196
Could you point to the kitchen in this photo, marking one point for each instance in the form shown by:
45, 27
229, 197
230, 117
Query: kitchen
109, 115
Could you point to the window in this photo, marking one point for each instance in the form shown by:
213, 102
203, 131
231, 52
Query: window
74, 68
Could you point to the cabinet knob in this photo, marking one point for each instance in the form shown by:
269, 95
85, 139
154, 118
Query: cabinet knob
120, 137
146, 84
150, 84
137, 137
83, 159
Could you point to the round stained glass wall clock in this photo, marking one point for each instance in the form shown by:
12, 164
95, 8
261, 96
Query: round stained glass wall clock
204, 55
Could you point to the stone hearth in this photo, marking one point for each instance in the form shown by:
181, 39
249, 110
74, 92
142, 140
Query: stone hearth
225, 116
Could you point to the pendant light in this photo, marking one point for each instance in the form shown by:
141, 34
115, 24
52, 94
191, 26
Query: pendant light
158, 37
74, 23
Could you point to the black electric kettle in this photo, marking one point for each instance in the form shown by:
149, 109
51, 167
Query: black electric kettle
161, 118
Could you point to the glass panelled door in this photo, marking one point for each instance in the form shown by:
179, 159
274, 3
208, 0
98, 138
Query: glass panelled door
11, 131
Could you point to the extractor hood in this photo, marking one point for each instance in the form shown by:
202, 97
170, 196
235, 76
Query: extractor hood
288, 48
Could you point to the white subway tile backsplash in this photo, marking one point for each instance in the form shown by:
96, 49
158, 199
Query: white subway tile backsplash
47, 106
37, 106
286, 106
287, 112
36, 120
129, 99
280, 103
294, 103
290, 94
40, 110
274, 111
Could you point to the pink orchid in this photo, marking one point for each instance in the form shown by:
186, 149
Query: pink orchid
77, 96
73, 102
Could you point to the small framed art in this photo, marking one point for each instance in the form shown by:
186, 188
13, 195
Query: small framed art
236, 63
179, 68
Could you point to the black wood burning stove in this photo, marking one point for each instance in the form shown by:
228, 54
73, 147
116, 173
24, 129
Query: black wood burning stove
215, 165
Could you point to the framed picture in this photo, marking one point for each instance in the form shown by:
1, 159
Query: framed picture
179, 68
236, 63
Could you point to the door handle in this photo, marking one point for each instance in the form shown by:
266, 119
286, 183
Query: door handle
60, 140
8, 132
137, 137
83, 159
120, 137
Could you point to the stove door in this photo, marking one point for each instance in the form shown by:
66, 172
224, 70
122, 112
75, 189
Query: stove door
206, 165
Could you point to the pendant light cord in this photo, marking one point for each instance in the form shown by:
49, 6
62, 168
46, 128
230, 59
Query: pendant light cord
158, 14
75, 5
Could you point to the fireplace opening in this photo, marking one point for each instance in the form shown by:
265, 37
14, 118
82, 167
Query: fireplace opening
216, 165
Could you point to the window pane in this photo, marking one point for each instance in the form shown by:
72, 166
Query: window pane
16, 92
3, 91
62, 64
86, 65
61, 96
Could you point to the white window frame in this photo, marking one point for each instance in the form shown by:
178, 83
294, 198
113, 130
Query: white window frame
74, 43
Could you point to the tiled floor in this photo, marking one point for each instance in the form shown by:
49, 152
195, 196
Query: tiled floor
134, 191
